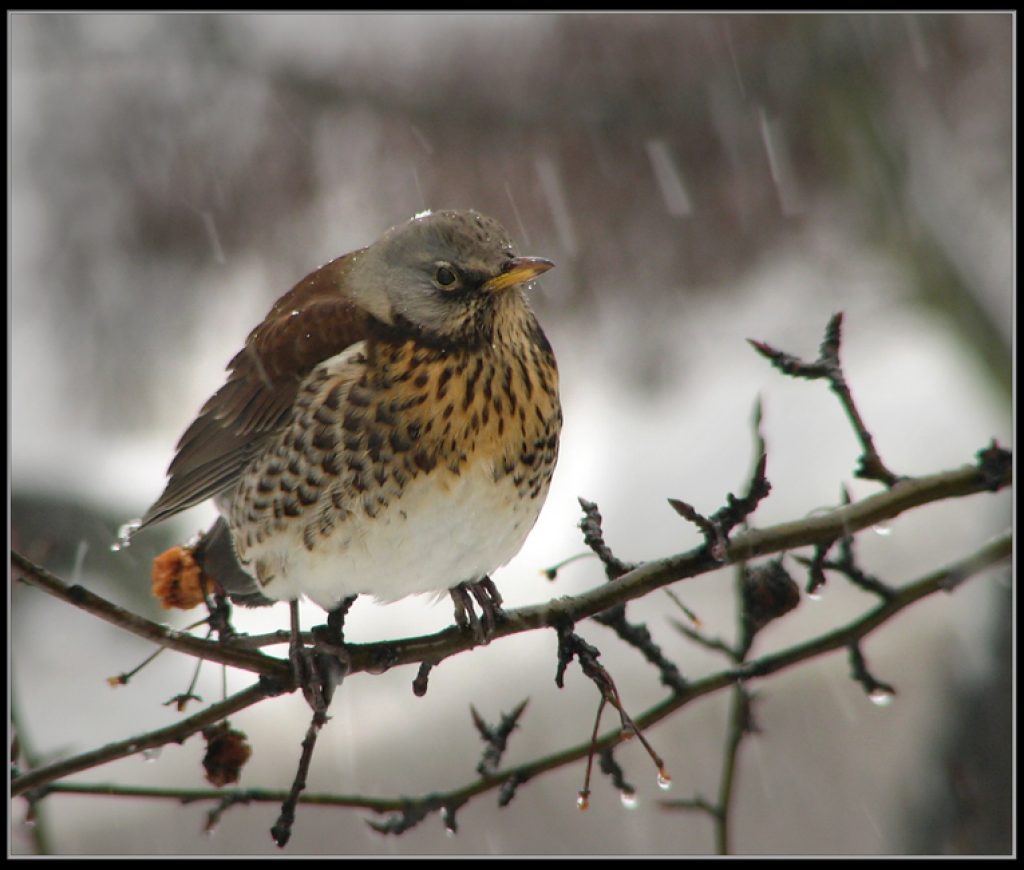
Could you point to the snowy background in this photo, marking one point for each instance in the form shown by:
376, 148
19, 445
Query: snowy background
698, 180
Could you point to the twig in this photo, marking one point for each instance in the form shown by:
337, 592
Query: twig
23, 756
845, 564
552, 572
816, 577
282, 830
712, 643
419, 685
583, 795
82, 598
409, 814
717, 527
637, 636
593, 537
739, 727
879, 692
508, 789
828, 367
694, 804
677, 601
176, 733
570, 646
610, 767
496, 737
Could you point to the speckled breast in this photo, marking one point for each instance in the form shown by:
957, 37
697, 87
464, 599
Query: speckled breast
405, 469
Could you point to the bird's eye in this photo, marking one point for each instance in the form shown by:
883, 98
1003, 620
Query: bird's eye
445, 276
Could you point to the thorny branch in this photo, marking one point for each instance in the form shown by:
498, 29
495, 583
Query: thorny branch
907, 494
765, 592
870, 511
993, 553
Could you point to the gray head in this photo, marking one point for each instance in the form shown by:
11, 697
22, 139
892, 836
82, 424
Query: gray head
440, 274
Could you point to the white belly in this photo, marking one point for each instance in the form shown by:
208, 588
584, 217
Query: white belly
439, 533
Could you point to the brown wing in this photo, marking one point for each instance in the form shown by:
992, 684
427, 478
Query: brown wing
310, 323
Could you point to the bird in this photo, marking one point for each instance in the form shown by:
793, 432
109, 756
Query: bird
389, 429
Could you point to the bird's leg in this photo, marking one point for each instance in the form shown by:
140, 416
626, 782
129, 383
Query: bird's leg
332, 657
304, 666
487, 597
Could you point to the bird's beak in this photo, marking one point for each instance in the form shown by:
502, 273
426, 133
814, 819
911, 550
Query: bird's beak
517, 271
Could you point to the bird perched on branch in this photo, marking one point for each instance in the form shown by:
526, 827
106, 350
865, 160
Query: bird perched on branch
389, 429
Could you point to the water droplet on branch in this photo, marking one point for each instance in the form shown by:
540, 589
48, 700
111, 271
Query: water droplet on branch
881, 697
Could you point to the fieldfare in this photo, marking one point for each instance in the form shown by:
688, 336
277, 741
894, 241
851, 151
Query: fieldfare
390, 428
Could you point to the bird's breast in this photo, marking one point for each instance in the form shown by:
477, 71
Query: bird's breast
413, 468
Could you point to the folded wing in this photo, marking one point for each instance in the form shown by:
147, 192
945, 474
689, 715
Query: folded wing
312, 322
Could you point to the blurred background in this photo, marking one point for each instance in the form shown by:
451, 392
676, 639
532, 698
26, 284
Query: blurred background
699, 180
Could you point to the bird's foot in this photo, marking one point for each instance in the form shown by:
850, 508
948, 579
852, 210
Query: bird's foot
319, 670
488, 598
331, 654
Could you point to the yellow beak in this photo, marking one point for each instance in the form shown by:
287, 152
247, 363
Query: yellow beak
517, 271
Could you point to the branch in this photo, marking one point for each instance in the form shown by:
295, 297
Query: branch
943, 580
827, 367
176, 733
991, 474
225, 653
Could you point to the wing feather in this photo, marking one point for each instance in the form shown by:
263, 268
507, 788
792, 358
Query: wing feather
309, 324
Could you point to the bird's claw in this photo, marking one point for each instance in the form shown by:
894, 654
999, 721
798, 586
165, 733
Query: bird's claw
486, 595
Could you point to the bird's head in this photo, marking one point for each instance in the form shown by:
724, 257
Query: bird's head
442, 275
